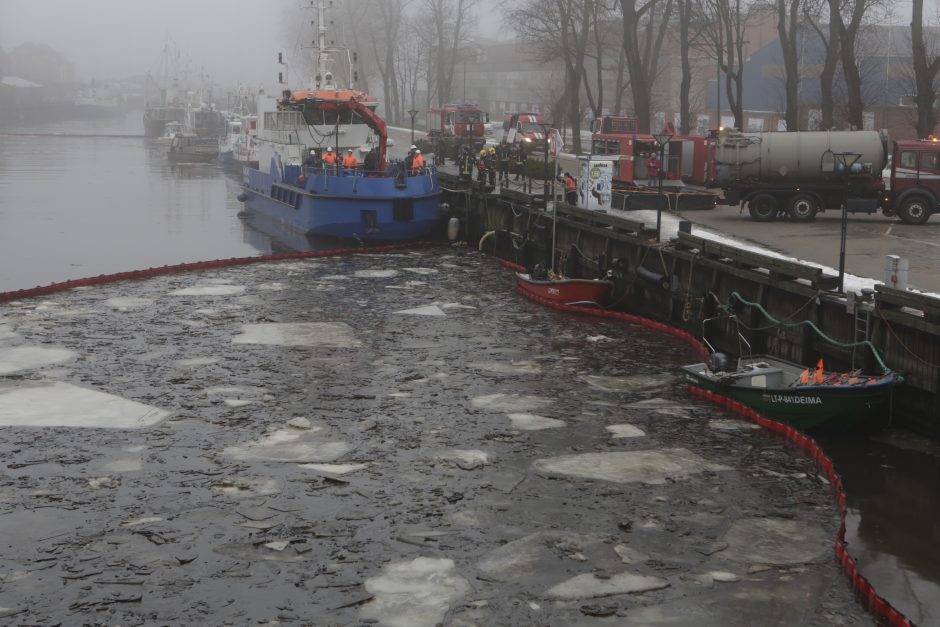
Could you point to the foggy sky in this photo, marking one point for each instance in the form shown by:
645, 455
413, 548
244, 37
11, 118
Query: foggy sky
234, 41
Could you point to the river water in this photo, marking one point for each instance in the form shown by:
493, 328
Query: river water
83, 198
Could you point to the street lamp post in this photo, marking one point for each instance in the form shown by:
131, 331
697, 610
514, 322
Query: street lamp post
662, 139
846, 160
413, 113
545, 130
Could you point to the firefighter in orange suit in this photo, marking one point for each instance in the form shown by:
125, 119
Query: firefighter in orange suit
417, 164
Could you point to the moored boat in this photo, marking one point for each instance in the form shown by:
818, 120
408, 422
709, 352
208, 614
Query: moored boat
371, 201
787, 392
565, 291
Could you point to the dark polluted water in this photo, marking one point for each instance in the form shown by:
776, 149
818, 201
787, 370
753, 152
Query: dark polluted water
385, 438
80, 199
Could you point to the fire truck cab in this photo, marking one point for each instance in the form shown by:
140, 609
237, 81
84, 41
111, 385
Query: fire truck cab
529, 127
686, 157
913, 189
464, 121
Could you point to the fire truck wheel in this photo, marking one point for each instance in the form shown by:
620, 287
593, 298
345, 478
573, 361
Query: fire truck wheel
914, 210
763, 208
802, 208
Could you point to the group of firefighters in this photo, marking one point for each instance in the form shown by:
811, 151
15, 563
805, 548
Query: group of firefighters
492, 162
332, 163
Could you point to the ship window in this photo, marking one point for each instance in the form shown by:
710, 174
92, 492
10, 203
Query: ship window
403, 210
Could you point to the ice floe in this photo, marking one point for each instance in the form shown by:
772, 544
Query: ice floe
509, 403
631, 383
512, 367
61, 404
7, 333
545, 554
20, 358
196, 362
376, 274
588, 586
291, 445
416, 593
272, 287
465, 459
428, 310
775, 541
325, 334
629, 555
625, 431
132, 464
247, 486
731, 425
424, 271
647, 466
144, 520
128, 303
210, 290
532, 422
335, 469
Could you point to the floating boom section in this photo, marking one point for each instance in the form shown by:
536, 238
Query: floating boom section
798, 156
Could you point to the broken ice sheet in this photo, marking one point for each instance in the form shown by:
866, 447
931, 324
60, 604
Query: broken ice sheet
731, 425
415, 593
625, 431
532, 422
19, 358
775, 541
631, 383
509, 403
648, 466
376, 274
325, 334
512, 367
291, 445
466, 459
61, 404
429, 310
210, 290
335, 469
245, 487
587, 586
128, 303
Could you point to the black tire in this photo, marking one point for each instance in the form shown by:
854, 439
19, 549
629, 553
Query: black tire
802, 208
915, 210
763, 208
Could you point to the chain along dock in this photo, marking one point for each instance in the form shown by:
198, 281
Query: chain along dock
781, 307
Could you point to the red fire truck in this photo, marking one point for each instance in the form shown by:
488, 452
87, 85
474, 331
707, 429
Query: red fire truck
687, 158
529, 127
454, 125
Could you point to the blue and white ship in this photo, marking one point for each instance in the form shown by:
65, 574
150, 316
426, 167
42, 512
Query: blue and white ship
380, 202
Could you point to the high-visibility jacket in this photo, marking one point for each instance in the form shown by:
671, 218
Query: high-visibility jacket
417, 163
570, 184
652, 167
349, 161
329, 158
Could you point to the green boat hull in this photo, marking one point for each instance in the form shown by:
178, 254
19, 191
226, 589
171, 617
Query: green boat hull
816, 408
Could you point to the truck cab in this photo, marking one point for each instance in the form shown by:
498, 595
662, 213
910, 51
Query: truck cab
687, 158
914, 185
528, 127
463, 121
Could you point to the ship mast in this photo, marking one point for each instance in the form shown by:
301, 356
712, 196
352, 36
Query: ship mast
321, 45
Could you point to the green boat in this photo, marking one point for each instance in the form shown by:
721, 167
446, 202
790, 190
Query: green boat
793, 394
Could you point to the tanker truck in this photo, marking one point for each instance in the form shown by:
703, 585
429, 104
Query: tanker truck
798, 174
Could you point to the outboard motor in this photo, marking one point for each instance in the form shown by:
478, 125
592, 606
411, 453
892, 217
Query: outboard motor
717, 362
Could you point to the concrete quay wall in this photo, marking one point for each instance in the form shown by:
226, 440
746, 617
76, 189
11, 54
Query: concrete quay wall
688, 281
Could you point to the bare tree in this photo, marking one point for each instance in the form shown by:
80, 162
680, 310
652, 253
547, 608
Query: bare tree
926, 62
684, 9
450, 22
384, 36
722, 24
644, 28
788, 25
815, 11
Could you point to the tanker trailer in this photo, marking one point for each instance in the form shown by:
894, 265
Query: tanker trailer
797, 173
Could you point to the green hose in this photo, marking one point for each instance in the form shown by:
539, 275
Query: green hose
818, 331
